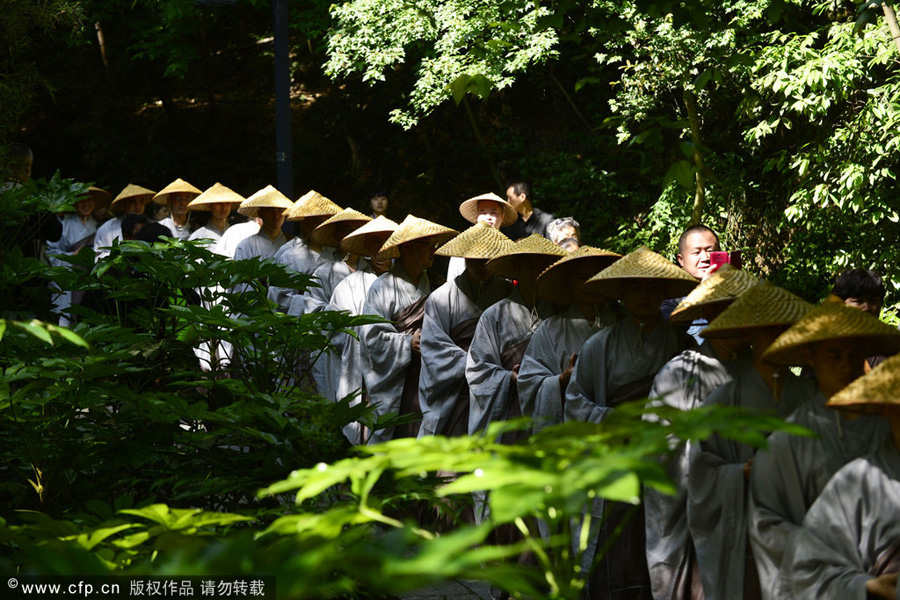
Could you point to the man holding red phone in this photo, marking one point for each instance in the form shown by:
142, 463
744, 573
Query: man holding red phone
695, 248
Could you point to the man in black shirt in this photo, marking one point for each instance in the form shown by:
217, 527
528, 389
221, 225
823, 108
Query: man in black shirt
531, 219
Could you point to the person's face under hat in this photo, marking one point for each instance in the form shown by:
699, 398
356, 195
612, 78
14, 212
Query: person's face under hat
490, 212
272, 217
837, 363
178, 204
84, 207
423, 248
642, 298
309, 224
477, 269
581, 272
134, 206
220, 210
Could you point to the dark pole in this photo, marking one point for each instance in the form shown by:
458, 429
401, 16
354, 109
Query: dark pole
283, 156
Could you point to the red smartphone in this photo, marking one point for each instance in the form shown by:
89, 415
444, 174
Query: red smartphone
717, 259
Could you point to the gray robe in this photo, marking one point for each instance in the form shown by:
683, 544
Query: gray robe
442, 381
233, 236
848, 529
181, 233
388, 351
717, 490
547, 356
502, 326
787, 478
683, 383
297, 257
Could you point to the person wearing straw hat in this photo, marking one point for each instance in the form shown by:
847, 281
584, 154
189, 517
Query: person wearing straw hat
786, 478
719, 469
177, 196
451, 315
131, 200
849, 543
551, 354
683, 383
392, 348
488, 208
503, 333
218, 201
330, 234
78, 230
350, 295
269, 205
303, 254
616, 365
330, 273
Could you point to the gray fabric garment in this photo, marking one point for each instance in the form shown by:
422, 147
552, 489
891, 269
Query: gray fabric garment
442, 381
234, 235
455, 267
328, 274
259, 246
296, 256
846, 529
683, 383
788, 477
547, 356
612, 359
501, 326
388, 351
181, 233
346, 365
208, 232
73, 231
718, 495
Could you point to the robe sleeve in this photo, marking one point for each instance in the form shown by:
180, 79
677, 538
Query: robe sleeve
443, 366
826, 558
389, 353
586, 392
489, 382
540, 396
777, 508
717, 508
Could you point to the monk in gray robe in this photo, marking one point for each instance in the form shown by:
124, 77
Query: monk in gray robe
451, 315
503, 333
393, 348
719, 468
615, 366
833, 340
551, 354
683, 383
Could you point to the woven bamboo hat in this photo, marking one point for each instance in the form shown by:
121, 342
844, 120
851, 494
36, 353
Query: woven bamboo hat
268, 197
479, 241
132, 191
763, 305
380, 229
179, 186
469, 209
878, 388
101, 197
325, 233
831, 321
723, 287
555, 283
643, 263
217, 194
534, 247
411, 229
312, 204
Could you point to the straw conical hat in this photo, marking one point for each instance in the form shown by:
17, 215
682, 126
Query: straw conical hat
179, 186
268, 197
469, 209
555, 283
763, 305
832, 321
325, 233
380, 229
133, 191
101, 197
411, 229
724, 286
479, 241
312, 204
534, 246
643, 263
869, 393
217, 194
